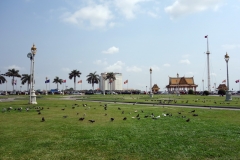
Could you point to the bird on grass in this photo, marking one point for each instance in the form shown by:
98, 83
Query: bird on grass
43, 119
63, 109
195, 114
193, 111
91, 120
122, 112
39, 113
188, 120
111, 119
65, 116
81, 119
125, 118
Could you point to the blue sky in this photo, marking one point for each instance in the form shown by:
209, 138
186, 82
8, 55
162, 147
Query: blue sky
126, 36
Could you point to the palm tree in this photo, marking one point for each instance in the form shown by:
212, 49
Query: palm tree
26, 78
74, 74
2, 79
57, 80
93, 78
111, 77
12, 73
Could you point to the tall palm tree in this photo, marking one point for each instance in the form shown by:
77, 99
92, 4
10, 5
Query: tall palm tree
93, 78
57, 80
74, 74
111, 77
2, 79
26, 78
12, 73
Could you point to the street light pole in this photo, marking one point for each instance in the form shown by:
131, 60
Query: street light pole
151, 94
103, 82
31, 55
203, 84
228, 94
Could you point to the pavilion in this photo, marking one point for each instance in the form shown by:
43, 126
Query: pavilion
181, 84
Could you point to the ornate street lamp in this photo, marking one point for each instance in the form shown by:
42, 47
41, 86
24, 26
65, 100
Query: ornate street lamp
151, 94
31, 55
228, 94
46, 92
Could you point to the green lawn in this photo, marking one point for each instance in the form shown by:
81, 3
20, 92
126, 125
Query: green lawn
213, 134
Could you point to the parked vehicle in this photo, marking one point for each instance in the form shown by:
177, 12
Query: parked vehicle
77, 93
89, 92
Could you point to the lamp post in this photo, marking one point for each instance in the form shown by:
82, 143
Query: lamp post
203, 84
46, 92
228, 94
31, 55
146, 89
151, 94
6, 89
103, 82
178, 85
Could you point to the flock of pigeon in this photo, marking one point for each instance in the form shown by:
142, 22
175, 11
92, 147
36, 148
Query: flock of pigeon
137, 114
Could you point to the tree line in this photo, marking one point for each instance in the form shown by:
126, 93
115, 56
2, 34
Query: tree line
92, 78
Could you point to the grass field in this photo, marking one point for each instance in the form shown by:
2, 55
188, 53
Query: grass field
213, 134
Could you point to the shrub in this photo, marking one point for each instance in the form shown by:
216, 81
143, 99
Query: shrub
221, 92
206, 93
190, 91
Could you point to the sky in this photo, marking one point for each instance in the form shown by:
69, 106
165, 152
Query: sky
124, 36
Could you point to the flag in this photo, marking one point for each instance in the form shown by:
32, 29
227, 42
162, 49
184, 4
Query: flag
80, 81
47, 81
126, 82
206, 36
64, 81
237, 81
224, 81
14, 82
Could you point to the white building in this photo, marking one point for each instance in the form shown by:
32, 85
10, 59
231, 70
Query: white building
116, 85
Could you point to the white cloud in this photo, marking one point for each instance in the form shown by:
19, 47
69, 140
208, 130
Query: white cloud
184, 61
166, 65
185, 7
128, 7
66, 70
231, 46
151, 14
111, 50
95, 16
133, 69
115, 67
100, 62
15, 67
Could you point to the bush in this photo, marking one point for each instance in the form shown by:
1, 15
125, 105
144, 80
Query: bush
221, 92
190, 91
206, 93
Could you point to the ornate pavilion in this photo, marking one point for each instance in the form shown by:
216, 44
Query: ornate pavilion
181, 83
155, 88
